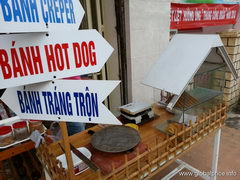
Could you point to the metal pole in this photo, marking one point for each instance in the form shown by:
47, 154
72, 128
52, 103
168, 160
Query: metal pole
217, 139
173, 173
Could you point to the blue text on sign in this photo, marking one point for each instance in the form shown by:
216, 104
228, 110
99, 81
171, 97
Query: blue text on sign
29, 102
52, 11
85, 103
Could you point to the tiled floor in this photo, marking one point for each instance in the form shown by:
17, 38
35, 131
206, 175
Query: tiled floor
200, 156
233, 122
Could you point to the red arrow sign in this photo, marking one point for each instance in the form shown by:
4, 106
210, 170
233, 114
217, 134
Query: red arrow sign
32, 58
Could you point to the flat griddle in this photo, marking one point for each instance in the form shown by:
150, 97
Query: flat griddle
115, 139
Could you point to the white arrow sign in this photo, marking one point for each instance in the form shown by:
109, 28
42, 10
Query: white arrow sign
35, 57
63, 100
39, 15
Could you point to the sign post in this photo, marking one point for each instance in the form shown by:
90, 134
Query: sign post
67, 149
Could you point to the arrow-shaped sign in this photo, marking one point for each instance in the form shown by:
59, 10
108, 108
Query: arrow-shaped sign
63, 100
36, 57
39, 15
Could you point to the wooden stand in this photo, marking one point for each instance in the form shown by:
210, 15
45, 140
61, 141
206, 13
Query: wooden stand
162, 149
15, 150
67, 149
184, 165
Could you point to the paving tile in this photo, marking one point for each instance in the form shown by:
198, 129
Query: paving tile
200, 156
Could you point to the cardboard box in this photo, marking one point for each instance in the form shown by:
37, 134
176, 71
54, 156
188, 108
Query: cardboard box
79, 165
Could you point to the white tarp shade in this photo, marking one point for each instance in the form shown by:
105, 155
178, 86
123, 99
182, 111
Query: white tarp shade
181, 60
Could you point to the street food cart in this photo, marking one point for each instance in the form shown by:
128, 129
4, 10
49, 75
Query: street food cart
188, 70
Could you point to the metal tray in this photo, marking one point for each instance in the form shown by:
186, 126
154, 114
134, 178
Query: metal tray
115, 139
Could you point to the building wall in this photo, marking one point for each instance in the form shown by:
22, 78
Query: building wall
110, 34
147, 30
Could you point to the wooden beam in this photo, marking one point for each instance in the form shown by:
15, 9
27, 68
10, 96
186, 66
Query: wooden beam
66, 144
15, 150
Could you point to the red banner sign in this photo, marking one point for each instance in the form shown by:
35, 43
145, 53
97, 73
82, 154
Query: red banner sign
187, 16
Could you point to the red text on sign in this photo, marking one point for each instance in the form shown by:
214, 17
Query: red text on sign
20, 62
57, 57
84, 54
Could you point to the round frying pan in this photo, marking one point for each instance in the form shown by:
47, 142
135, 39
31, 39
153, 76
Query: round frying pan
115, 139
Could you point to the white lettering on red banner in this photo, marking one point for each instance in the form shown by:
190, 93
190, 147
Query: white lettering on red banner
186, 16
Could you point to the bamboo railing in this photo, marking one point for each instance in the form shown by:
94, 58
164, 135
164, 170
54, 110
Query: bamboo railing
152, 161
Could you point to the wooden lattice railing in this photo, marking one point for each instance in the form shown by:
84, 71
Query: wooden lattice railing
149, 163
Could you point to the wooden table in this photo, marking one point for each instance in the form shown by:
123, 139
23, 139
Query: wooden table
15, 150
147, 132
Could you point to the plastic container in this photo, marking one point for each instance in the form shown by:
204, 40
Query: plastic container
36, 125
134, 126
20, 130
6, 136
79, 165
3, 112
